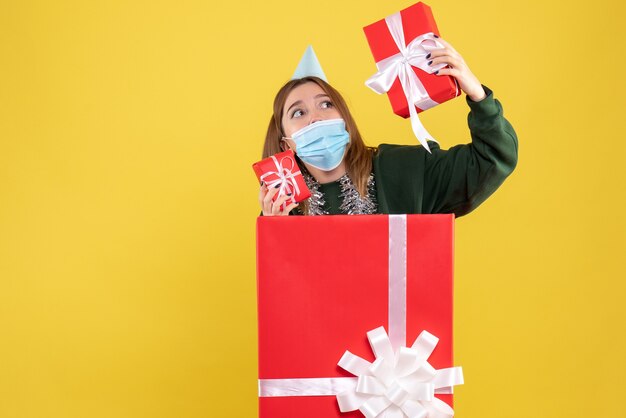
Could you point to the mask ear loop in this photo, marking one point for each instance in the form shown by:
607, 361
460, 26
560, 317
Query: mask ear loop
283, 140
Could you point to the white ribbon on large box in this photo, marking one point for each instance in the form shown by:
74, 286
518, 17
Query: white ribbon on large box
400, 382
399, 66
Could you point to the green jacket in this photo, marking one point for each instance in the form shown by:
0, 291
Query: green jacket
411, 180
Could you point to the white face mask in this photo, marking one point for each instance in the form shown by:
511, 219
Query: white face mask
322, 144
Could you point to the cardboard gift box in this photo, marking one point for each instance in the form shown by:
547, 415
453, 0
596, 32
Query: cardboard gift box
325, 281
281, 170
415, 21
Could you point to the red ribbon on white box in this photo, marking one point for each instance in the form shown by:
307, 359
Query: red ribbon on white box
399, 66
400, 382
286, 177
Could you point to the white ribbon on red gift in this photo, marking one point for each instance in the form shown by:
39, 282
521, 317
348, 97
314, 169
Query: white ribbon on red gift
400, 66
284, 176
400, 382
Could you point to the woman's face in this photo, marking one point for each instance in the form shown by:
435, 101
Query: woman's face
306, 104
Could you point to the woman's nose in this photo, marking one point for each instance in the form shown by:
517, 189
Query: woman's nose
315, 117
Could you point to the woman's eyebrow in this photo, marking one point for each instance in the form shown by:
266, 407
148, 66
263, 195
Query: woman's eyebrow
297, 102
293, 104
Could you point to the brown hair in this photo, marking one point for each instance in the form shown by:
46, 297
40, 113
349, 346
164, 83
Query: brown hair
358, 156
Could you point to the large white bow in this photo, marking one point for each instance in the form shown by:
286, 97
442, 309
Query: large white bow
400, 384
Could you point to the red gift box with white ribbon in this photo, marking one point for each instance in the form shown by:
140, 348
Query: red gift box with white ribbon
282, 171
400, 44
356, 321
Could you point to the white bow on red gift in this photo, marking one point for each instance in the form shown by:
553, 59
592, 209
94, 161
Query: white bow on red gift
398, 384
400, 66
283, 176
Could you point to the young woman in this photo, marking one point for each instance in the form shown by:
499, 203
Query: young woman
347, 177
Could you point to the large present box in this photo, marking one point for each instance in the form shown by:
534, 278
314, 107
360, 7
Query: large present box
410, 40
282, 171
327, 284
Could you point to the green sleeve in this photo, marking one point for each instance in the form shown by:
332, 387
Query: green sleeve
411, 180
460, 179
399, 174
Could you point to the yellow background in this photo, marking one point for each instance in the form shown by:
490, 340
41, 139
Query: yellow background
128, 204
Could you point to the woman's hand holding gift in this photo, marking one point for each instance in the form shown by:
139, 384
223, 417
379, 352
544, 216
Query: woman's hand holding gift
458, 69
271, 208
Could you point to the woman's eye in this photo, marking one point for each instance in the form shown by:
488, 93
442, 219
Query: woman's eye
296, 114
326, 104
